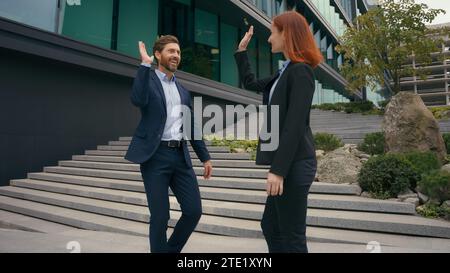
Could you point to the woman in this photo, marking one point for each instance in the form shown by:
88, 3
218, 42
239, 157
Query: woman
293, 164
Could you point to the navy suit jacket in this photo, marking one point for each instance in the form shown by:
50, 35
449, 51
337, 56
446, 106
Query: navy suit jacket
148, 94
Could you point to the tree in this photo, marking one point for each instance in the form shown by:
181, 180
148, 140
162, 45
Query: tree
377, 49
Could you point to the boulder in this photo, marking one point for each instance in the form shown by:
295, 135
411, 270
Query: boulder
339, 166
423, 198
320, 153
415, 201
409, 126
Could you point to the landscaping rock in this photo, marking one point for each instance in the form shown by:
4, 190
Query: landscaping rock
423, 198
407, 194
339, 166
366, 194
409, 126
364, 156
237, 150
413, 200
320, 153
446, 168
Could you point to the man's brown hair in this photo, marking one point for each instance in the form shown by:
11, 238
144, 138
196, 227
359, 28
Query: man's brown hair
162, 41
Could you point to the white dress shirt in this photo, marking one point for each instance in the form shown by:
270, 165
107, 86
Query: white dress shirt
174, 121
280, 72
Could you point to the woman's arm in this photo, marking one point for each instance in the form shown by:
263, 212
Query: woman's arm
247, 76
245, 71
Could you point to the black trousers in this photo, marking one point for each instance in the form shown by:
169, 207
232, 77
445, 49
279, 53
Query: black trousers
284, 219
168, 169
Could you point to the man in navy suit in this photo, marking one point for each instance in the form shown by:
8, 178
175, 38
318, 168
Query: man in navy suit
159, 146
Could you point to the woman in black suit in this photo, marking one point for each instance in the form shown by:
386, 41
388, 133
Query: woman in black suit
293, 163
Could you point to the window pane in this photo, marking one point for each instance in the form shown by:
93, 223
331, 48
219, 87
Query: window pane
138, 21
206, 28
228, 46
41, 14
264, 58
91, 21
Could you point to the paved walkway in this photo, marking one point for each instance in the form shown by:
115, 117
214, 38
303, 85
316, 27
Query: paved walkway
103, 242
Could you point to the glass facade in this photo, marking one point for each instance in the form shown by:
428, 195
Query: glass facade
208, 39
42, 14
88, 21
331, 16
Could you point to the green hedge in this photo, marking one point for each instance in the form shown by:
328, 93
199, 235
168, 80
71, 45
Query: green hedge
423, 162
350, 107
327, 142
446, 137
438, 112
386, 176
373, 143
436, 185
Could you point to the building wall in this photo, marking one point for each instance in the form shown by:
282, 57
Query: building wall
51, 110
208, 36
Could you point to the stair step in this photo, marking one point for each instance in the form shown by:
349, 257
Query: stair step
236, 156
91, 221
195, 162
399, 224
219, 182
212, 149
351, 203
218, 171
15, 221
94, 221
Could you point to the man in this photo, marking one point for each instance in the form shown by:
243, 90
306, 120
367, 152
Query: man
158, 146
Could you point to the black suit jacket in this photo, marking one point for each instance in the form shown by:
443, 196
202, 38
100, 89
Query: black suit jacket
148, 94
294, 94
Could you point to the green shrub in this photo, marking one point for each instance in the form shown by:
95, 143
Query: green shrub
386, 176
359, 107
440, 112
248, 145
433, 211
373, 143
446, 137
436, 185
327, 142
423, 162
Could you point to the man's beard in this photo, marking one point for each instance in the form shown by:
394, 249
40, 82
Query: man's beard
166, 63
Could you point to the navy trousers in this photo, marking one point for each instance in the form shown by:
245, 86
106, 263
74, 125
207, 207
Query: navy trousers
284, 219
166, 169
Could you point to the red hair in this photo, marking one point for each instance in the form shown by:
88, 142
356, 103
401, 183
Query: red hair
299, 41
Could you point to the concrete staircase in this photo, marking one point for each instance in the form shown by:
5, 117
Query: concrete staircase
352, 128
102, 191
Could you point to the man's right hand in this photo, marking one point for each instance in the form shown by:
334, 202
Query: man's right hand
144, 55
246, 40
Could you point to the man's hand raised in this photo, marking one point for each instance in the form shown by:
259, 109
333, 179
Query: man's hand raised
145, 58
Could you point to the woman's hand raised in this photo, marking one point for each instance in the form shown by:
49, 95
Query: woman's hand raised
246, 40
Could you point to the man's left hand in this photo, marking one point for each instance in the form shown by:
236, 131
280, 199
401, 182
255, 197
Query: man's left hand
274, 184
208, 169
